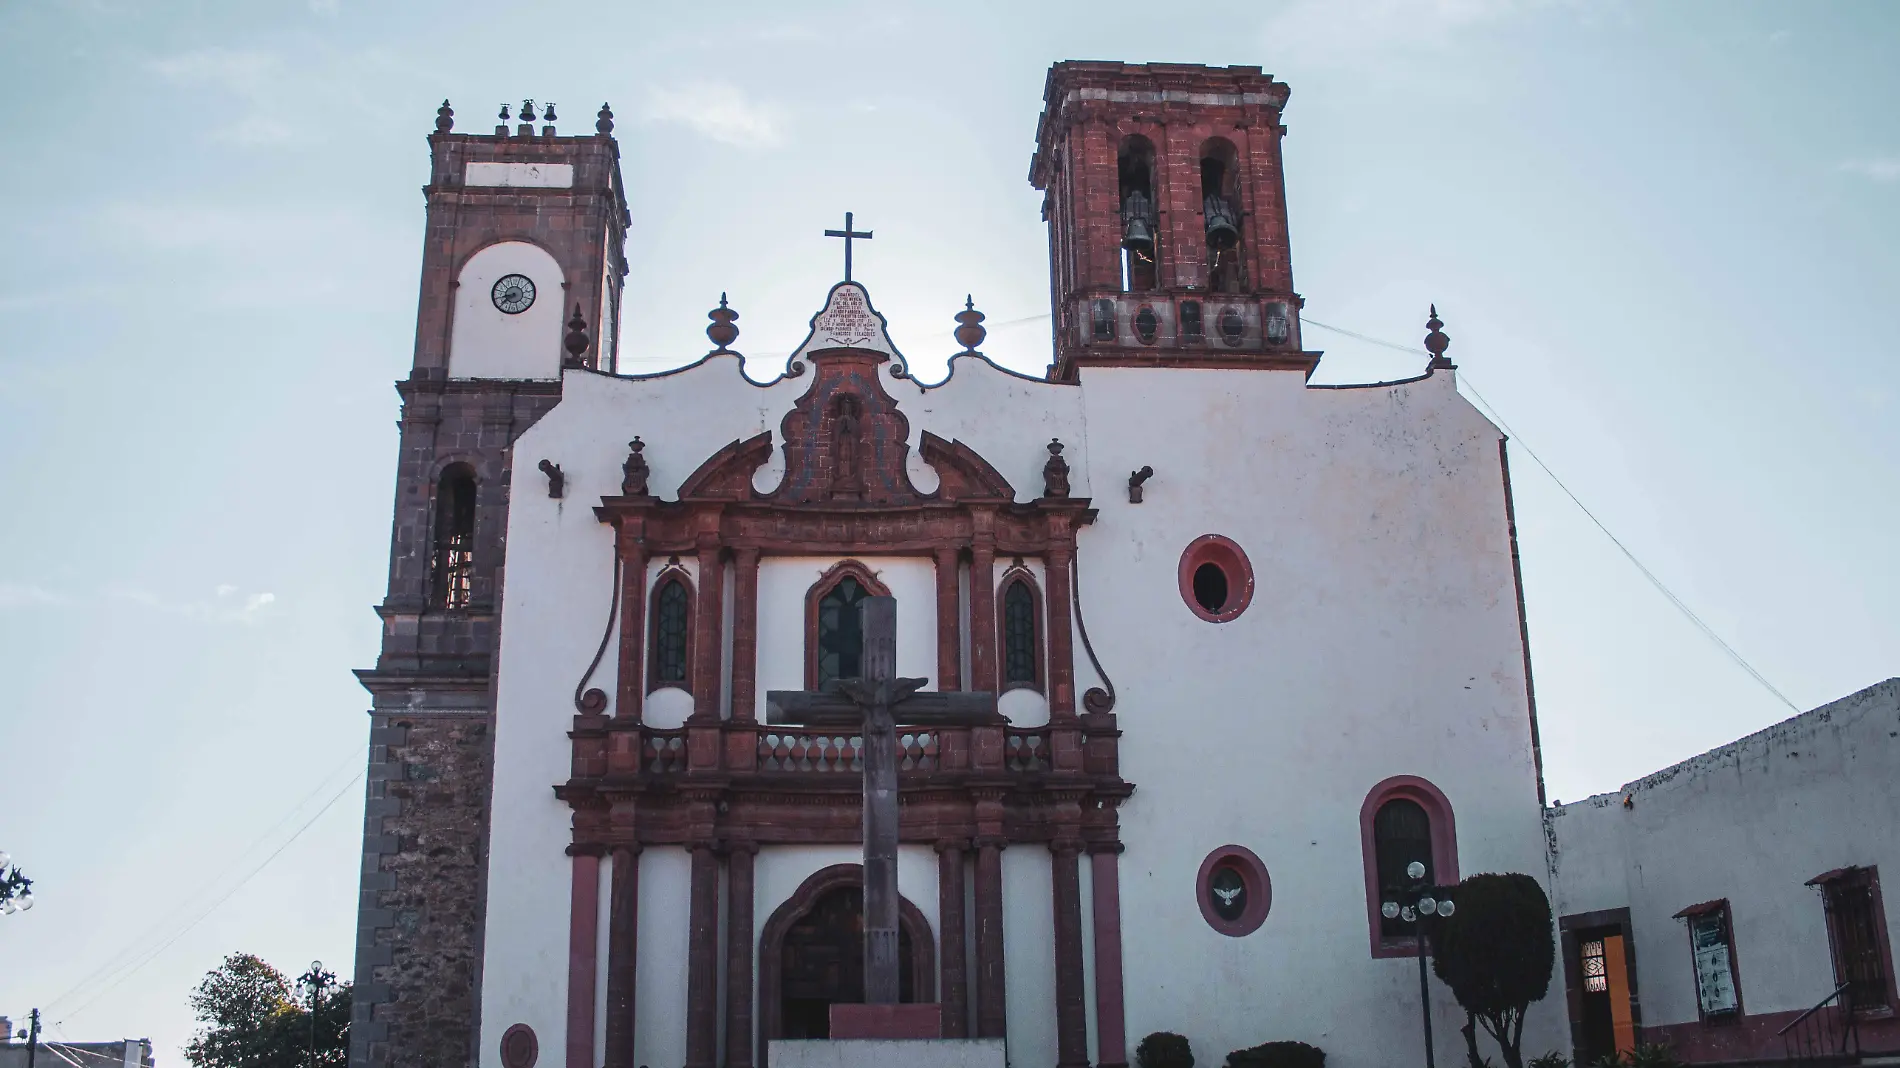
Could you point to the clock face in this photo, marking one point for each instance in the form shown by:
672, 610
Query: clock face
514, 294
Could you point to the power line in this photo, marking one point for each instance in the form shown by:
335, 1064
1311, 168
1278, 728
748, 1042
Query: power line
1464, 379
213, 907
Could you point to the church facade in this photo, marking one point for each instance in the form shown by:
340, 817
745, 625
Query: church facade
1259, 643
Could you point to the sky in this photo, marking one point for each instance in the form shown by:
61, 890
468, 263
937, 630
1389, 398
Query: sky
1664, 239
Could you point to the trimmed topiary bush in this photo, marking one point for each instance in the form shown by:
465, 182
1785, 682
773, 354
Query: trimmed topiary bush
1278, 1055
1164, 1049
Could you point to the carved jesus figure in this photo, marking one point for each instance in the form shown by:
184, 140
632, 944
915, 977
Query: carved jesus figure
847, 478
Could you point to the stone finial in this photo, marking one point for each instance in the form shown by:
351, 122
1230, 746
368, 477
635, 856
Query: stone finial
970, 332
444, 118
604, 121
633, 478
1055, 473
1436, 342
576, 341
722, 331
527, 111
557, 481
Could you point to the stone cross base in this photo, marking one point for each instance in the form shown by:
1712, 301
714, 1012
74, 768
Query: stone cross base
886, 1053
886, 1021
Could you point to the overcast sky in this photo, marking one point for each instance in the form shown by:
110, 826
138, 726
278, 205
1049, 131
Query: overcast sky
1665, 240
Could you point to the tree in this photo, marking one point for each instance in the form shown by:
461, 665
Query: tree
249, 1018
1496, 953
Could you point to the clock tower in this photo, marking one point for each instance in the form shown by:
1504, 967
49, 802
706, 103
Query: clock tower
522, 264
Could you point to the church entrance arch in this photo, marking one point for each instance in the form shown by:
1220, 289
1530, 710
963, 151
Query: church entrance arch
811, 955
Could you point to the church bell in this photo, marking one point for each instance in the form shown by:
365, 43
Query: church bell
1138, 228
1223, 227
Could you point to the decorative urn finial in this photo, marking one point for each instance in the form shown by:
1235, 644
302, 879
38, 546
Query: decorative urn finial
604, 121
722, 331
1055, 473
444, 118
576, 340
633, 479
970, 332
1436, 342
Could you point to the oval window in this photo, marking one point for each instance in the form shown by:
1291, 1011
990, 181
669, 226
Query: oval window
1235, 892
1146, 325
1232, 326
1216, 578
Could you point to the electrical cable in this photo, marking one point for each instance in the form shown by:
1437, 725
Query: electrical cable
134, 948
1464, 379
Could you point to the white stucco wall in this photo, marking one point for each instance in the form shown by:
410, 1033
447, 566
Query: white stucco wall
1752, 822
485, 342
1382, 639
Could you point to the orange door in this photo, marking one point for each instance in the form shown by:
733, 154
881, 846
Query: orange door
1616, 967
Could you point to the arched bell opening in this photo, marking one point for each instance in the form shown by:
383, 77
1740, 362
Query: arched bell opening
1136, 197
1220, 209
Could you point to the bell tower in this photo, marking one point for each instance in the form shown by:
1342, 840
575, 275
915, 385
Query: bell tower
1166, 207
522, 262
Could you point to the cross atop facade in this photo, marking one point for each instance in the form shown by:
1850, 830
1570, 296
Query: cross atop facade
874, 703
847, 233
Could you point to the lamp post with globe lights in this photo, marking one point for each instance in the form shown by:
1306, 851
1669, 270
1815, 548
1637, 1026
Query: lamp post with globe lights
315, 980
1416, 904
16, 890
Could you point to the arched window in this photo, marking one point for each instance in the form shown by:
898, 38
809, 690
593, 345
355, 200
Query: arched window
1021, 610
669, 658
453, 568
834, 638
1220, 209
1404, 819
1136, 198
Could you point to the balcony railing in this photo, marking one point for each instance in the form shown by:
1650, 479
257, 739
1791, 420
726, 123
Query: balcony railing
1009, 750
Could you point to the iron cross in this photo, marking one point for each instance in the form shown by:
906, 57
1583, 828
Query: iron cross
873, 704
847, 233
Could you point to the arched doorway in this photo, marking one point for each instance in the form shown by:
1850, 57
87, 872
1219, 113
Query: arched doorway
811, 955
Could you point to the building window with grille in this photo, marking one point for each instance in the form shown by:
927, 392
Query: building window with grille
1857, 937
1020, 609
834, 626
1596, 969
670, 656
1402, 833
1404, 820
454, 564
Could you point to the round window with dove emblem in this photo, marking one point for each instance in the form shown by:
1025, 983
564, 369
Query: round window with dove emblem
1234, 891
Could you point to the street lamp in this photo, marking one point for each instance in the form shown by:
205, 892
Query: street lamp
16, 893
315, 980
1413, 904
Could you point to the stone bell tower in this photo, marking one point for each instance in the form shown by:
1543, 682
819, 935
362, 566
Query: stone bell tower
523, 257
1167, 218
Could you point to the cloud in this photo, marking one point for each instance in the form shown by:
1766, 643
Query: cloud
227, 605
236, 71
18, 595
1324, 28
326, 8
1880, 170
720, 112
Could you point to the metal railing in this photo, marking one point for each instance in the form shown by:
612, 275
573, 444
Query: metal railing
1828, 1033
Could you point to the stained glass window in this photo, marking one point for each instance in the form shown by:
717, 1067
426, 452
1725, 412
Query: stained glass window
841, 632
1596, 973
669, 634
1019, 635
1401, 834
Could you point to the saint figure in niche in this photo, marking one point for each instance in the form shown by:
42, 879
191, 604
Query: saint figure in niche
847, 479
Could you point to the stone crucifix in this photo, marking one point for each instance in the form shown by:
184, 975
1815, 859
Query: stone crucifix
874, 703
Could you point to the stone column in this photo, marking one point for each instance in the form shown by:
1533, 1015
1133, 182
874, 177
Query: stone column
623, 934
983, 615
742, 735
992, 1013
1111, 1035
708, 634
1061, 634
739, 967
949, 621
1072, 1034
633, 616
582, 955
953, 980
702, 960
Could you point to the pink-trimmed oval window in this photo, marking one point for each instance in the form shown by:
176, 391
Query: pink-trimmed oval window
519, 1047
1234, 891
1216, 578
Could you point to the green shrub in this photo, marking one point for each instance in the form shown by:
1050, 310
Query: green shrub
1553, 1059
1278, 1055
1164, 1049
